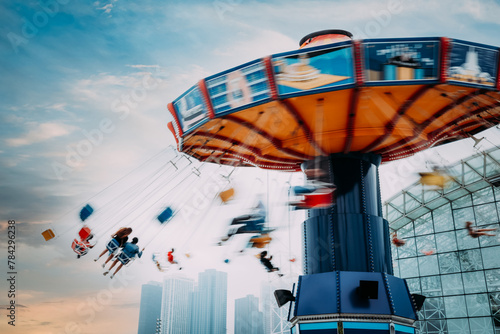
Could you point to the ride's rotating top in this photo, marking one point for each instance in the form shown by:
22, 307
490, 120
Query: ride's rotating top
393, 97
345, 106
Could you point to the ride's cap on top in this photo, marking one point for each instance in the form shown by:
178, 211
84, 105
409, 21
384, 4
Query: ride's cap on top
324, 37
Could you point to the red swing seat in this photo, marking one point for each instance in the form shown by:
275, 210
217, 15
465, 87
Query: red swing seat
79, 247
84, 233
316, 200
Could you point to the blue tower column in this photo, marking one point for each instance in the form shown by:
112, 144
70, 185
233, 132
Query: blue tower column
351, 235
348, 286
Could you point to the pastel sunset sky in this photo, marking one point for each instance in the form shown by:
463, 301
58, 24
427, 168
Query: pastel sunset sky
72, 72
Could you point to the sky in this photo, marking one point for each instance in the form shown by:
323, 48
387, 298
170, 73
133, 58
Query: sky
84, 89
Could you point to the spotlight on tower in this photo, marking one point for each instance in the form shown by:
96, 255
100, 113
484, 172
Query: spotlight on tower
418, 300
283, 297
368, 289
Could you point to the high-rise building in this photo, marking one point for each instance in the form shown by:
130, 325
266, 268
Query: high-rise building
247, 317
209, 303
175, 308
275, 318
458, 274
150, 307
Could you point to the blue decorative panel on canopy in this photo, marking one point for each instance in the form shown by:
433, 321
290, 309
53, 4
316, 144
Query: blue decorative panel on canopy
473, 64
319, 69
190, 108
239, 87
401, 60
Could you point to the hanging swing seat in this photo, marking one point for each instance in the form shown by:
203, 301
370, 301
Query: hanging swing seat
79, 247
436, 178
112, 246
226, 195
86, 211
48, 234
260, 240
84, 233
166, 215
125, 259
316, 200
301, 190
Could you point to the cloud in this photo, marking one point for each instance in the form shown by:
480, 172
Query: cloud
256, 44
144, 66
57, 106
107, 8
14, 161
484, 11
40, 133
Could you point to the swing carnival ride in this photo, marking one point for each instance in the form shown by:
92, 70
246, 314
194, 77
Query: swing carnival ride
343, 106
144, 195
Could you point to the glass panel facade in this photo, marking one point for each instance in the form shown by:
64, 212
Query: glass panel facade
464, 241
406, 231
462, 202
441, 218
428, 265
491, 257
490, 241
493, 280
446, 242
463, 215
474, 282
481, 325
455, 307
409, 250
424, 225
485, 214
470, 260
452, 284
477, 305
426, 243
431, 286
449, 263
458, 326
461, 276
483, 196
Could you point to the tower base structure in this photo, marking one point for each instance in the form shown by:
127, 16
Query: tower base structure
348, 286
351, 302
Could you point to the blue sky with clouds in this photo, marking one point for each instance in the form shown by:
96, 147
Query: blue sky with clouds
102, 72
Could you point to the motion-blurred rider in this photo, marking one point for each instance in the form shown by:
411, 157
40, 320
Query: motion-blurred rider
129, 251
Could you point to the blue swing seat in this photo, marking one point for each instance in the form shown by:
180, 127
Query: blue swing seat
165, 215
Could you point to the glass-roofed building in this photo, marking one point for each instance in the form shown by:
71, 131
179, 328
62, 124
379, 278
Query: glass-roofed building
459, 275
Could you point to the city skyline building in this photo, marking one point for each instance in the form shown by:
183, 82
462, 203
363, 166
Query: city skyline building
247, 317
458, 274
175, 304
150, 307
209, 303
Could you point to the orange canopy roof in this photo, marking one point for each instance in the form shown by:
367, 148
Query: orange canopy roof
394, 97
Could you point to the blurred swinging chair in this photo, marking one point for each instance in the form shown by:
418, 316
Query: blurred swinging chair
226, 195
48, 234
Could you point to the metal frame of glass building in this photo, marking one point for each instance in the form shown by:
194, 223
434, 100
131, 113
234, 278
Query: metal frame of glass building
461, 276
